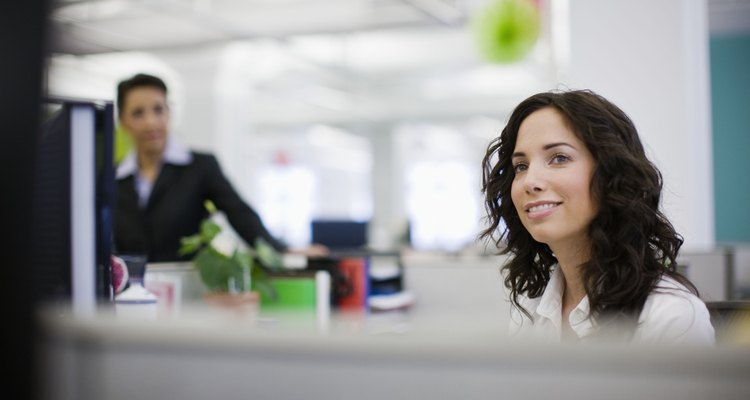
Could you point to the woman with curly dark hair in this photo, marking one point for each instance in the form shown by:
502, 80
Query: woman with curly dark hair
591, 253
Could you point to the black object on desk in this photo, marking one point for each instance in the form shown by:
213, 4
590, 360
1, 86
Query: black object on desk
340, 235
356, 275
136, 264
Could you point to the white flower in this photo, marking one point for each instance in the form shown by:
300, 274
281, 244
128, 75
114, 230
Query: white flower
223, 244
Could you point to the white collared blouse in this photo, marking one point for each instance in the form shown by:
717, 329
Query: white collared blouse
671, 315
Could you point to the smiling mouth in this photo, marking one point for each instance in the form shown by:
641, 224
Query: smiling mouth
542, 207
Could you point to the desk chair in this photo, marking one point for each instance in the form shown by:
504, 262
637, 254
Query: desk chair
731, 320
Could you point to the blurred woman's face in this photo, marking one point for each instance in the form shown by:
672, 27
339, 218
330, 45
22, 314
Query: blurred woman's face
551, 188
145, 115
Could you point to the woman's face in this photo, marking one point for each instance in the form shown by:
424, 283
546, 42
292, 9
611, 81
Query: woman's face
145, 116
551, 190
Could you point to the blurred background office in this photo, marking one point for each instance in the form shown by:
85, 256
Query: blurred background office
380, 110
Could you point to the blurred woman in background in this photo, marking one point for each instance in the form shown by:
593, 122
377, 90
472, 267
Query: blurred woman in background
162, 186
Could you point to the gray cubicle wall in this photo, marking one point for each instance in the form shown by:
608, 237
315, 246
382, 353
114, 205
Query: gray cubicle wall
100, 359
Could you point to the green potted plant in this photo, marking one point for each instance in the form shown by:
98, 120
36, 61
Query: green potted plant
233, 277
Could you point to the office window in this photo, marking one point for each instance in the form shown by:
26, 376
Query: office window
295, 175
441, 181
287, 197
441, 205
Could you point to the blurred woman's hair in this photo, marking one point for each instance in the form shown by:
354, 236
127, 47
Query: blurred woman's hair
134, 82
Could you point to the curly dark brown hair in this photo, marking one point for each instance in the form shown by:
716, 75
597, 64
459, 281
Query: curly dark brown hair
632, 243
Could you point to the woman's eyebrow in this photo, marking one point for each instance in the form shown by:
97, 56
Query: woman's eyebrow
553, 145
545, 147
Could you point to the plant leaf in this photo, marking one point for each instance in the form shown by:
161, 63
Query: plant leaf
267, 255
189, 244
209, 230
244, 259
221, 273
210, 206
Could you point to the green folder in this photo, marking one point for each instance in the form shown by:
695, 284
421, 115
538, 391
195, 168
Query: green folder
294, 292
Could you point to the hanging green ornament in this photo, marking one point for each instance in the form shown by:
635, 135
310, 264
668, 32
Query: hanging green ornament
123, 143
506, 30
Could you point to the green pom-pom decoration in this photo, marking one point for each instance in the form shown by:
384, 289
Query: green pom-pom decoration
507, 30
123, 143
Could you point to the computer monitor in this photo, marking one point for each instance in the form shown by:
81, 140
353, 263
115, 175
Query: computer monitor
72, 202
340, 235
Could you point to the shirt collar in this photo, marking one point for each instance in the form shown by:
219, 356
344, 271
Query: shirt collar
550, 306
174, 153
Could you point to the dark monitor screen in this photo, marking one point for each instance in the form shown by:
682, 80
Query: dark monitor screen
340, 234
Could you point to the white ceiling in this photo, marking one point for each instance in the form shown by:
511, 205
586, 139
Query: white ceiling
96, 26
390, 57
396, 56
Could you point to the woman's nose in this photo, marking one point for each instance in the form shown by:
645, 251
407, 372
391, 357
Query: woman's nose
151, 119
534, 179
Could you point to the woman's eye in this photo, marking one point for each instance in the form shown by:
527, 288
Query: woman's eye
559, 159
518, 168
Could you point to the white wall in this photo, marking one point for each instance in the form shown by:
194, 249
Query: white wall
651, 59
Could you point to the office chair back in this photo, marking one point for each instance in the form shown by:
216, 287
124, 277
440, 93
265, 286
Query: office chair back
731, 321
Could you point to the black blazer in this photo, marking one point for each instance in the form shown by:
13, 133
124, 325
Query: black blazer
176, 208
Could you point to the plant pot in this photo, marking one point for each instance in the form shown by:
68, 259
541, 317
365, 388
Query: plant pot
244, 304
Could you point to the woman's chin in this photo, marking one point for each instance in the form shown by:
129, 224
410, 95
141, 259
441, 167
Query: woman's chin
543, 236
153, 147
